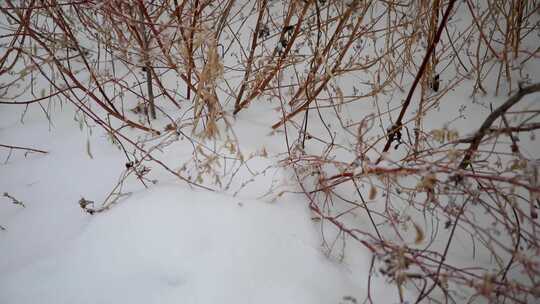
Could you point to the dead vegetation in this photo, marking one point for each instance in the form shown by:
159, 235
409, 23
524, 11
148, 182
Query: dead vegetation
355, 83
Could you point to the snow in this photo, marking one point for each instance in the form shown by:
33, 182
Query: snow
170, 245
167, 244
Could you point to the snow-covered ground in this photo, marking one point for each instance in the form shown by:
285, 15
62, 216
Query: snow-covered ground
168, 244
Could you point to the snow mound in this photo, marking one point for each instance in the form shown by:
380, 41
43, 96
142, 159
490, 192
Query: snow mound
176, 245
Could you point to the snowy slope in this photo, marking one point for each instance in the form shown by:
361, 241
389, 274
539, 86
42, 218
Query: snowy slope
168, 244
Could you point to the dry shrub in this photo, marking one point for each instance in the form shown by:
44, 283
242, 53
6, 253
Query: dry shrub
359, 87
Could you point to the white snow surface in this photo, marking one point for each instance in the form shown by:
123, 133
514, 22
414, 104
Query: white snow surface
166, 244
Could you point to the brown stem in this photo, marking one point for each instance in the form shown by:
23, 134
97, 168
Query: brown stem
251, 54
148, 67
262, 85
23, 148
484, 129
397, 125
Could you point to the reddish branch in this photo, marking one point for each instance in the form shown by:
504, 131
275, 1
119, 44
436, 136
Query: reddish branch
485, 128
401, 171
311, 97
398, 124
262, 85
522, 128
251, 54
23, 148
